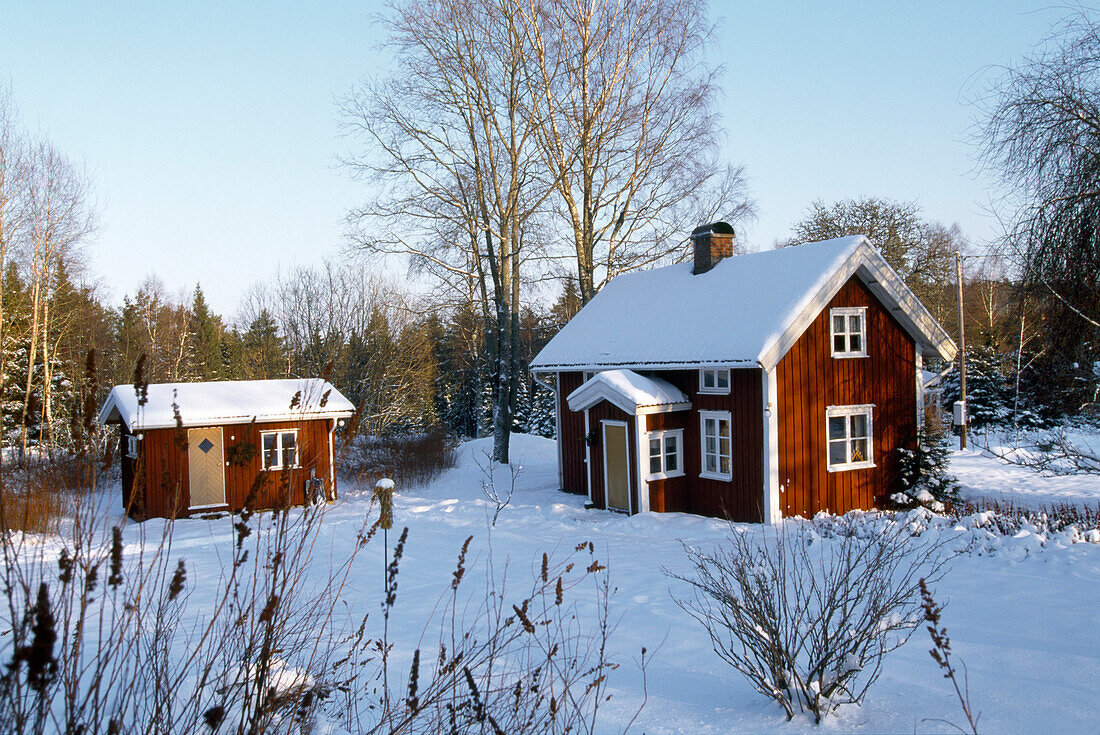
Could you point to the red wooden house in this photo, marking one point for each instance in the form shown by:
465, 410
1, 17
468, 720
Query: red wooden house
202, 447
753, 387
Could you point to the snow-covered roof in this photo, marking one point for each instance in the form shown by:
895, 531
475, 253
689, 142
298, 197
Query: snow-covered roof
225, 402
747, 309
629, 391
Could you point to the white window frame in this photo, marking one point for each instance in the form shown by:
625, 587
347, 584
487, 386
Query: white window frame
847, 312
660, 436
868, 410
716, 389
279, 434
718, 416
132, 446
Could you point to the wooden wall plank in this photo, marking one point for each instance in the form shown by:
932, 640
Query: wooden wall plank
810, 379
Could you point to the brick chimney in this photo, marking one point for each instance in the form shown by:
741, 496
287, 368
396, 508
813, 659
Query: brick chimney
711, 243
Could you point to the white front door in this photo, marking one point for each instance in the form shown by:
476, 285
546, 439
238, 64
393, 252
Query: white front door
616, 465
206, 467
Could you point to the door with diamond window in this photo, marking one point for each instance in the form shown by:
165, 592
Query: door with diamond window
206, 466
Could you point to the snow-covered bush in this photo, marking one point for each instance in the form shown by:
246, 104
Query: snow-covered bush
807, 620
923, 479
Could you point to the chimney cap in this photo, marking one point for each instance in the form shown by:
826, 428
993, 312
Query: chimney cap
716, 228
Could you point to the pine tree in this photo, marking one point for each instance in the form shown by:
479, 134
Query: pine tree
923, 478
542, 421
521, 409
206, 336
264, 355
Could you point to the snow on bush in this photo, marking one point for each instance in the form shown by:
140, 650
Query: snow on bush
807, 613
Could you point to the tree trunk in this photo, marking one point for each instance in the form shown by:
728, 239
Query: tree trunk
36, 291
45, 417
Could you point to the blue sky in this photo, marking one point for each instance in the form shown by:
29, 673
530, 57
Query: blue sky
211, 129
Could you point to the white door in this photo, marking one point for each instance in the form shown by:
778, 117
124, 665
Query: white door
206, 466
616, 465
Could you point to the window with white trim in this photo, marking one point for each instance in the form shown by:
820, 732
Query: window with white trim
132, 446
714, 381
280, 449
666, 456
850, 436
849, 331
715, 428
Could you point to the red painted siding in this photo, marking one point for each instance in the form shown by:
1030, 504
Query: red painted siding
571, 436
810, 379
740, 499
160, 482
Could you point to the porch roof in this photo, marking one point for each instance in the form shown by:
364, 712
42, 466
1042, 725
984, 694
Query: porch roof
629, 391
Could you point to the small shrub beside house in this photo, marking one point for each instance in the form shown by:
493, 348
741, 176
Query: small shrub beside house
190, 448
753, 387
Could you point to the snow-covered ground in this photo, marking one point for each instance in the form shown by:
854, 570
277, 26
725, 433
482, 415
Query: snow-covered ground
983, 476
1022, 614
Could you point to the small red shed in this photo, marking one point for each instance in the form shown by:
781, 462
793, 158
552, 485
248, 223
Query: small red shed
753, 387
187, 448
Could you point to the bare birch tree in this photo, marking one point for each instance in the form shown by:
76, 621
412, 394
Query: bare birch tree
630, 131
451, 154
59, 218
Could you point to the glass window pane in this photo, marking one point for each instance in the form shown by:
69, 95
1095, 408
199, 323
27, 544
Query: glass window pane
672, 463
838, 343
708, 378
271, 452
712, 463
859, 425
290, 449
670, 445
654, 447
655, 464
712, 445
838, 324
723, 379
708, 427
856, 343
836, 427
859, 450
855, 324
724, 447
837, 453
724, 429
725, 465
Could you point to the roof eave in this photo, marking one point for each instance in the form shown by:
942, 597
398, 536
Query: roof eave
139, 425
887, 286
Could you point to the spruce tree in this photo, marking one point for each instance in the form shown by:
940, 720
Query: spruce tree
206, 334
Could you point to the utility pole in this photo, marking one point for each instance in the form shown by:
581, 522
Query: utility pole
962, 351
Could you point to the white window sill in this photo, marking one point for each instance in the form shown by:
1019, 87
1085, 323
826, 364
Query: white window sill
714, 391
716, 476
852, 466
663, 476
846, 355
276, 469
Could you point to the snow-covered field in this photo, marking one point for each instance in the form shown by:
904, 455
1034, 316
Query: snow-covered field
984, 477
1022, 614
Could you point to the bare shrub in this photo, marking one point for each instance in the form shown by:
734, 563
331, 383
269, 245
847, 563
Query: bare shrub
808, 620
501, 496
410, 460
